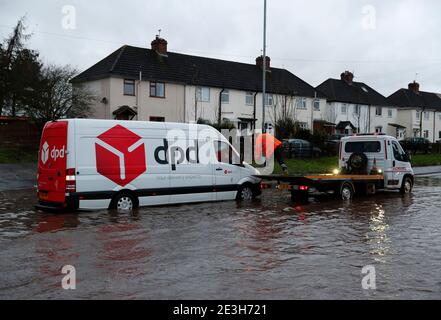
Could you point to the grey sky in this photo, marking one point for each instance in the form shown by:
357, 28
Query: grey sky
316, 39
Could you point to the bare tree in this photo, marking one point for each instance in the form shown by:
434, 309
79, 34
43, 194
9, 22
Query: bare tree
55, 98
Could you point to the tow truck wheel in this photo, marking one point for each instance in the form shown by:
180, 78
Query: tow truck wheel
407, 186
346, 192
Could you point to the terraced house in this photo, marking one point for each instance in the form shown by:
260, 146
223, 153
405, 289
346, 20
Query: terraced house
157, 85
419, 112
355, 107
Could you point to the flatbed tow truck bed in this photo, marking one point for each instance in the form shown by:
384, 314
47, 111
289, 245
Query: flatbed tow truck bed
344, 185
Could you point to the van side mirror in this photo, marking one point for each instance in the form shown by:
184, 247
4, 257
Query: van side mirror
408, 157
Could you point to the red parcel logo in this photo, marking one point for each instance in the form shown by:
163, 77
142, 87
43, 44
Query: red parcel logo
120, 155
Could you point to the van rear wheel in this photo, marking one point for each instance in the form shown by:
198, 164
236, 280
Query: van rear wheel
124, 202
347, 192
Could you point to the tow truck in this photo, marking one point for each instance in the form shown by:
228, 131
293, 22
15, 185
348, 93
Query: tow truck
368, 163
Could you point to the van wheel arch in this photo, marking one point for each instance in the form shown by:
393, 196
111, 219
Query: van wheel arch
130, 193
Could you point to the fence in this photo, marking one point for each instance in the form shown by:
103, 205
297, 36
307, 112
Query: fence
18, 133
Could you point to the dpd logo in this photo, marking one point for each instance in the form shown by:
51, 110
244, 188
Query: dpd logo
45, 153
55, 153
120, 155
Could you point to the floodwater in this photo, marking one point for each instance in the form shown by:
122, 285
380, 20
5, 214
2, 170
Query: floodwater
268, 249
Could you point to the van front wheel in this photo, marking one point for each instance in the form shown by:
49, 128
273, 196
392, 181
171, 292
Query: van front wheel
407, 186
124, 202
245, 193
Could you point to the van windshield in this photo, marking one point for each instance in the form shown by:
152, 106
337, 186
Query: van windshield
363, 147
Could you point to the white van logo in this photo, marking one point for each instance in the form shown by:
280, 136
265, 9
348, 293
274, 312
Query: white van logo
54, 153
58, 153
45, 153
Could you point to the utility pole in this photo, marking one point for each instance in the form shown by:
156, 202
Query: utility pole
264, 70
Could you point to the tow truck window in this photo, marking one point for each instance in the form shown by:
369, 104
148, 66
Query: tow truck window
399, 154
225, 153
363, 147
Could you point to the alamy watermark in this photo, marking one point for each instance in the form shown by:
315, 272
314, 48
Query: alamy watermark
69, 281
69, 17
369, 281
369, 17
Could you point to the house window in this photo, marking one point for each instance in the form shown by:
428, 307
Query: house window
439, 116
426, 115
157, 89
426, 134
344, 108
203, 94
129, 87
157, 119
225, 96
357, 110
303, 125
418, 115
249, 99
316, 105
301, 103
379, 111
269, 100
378, 129
390, 113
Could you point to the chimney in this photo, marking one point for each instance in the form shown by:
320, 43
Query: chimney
414, 87
259, 62
347, 77
160, 46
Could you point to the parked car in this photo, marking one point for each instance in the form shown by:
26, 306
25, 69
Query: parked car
415, 145
297, 148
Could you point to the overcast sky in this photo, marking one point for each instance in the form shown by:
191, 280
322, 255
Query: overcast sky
385, 43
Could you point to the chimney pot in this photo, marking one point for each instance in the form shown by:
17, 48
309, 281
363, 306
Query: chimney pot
347, 77
414, 87
259, 62
160, 46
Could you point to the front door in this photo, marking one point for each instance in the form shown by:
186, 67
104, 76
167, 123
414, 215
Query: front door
227, 171
400, 164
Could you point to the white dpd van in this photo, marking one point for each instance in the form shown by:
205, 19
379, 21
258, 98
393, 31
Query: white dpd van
100, 164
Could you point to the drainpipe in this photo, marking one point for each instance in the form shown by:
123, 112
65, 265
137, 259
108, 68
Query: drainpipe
185, 103
219, 115
254, 110
369, 119
421, 122
434, 117
312, 112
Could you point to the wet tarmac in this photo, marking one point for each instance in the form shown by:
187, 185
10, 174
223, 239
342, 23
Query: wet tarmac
267, 249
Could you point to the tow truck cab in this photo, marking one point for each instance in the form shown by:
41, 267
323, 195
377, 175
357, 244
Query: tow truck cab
382, 155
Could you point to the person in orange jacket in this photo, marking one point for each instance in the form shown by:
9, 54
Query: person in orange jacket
267, 145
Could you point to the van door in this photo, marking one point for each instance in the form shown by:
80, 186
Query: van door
400, 164
52, 163
227, 171
191, 180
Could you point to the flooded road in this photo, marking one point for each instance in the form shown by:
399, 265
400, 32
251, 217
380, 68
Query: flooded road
269, 249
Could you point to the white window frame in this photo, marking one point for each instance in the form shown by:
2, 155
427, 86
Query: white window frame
426, 134
225, 96
200, 96
269, 100
316, 104
426, 115
418, 115
357, 110
378, 114
249, 95
390, 113
344, 108
301, 104
303, 125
